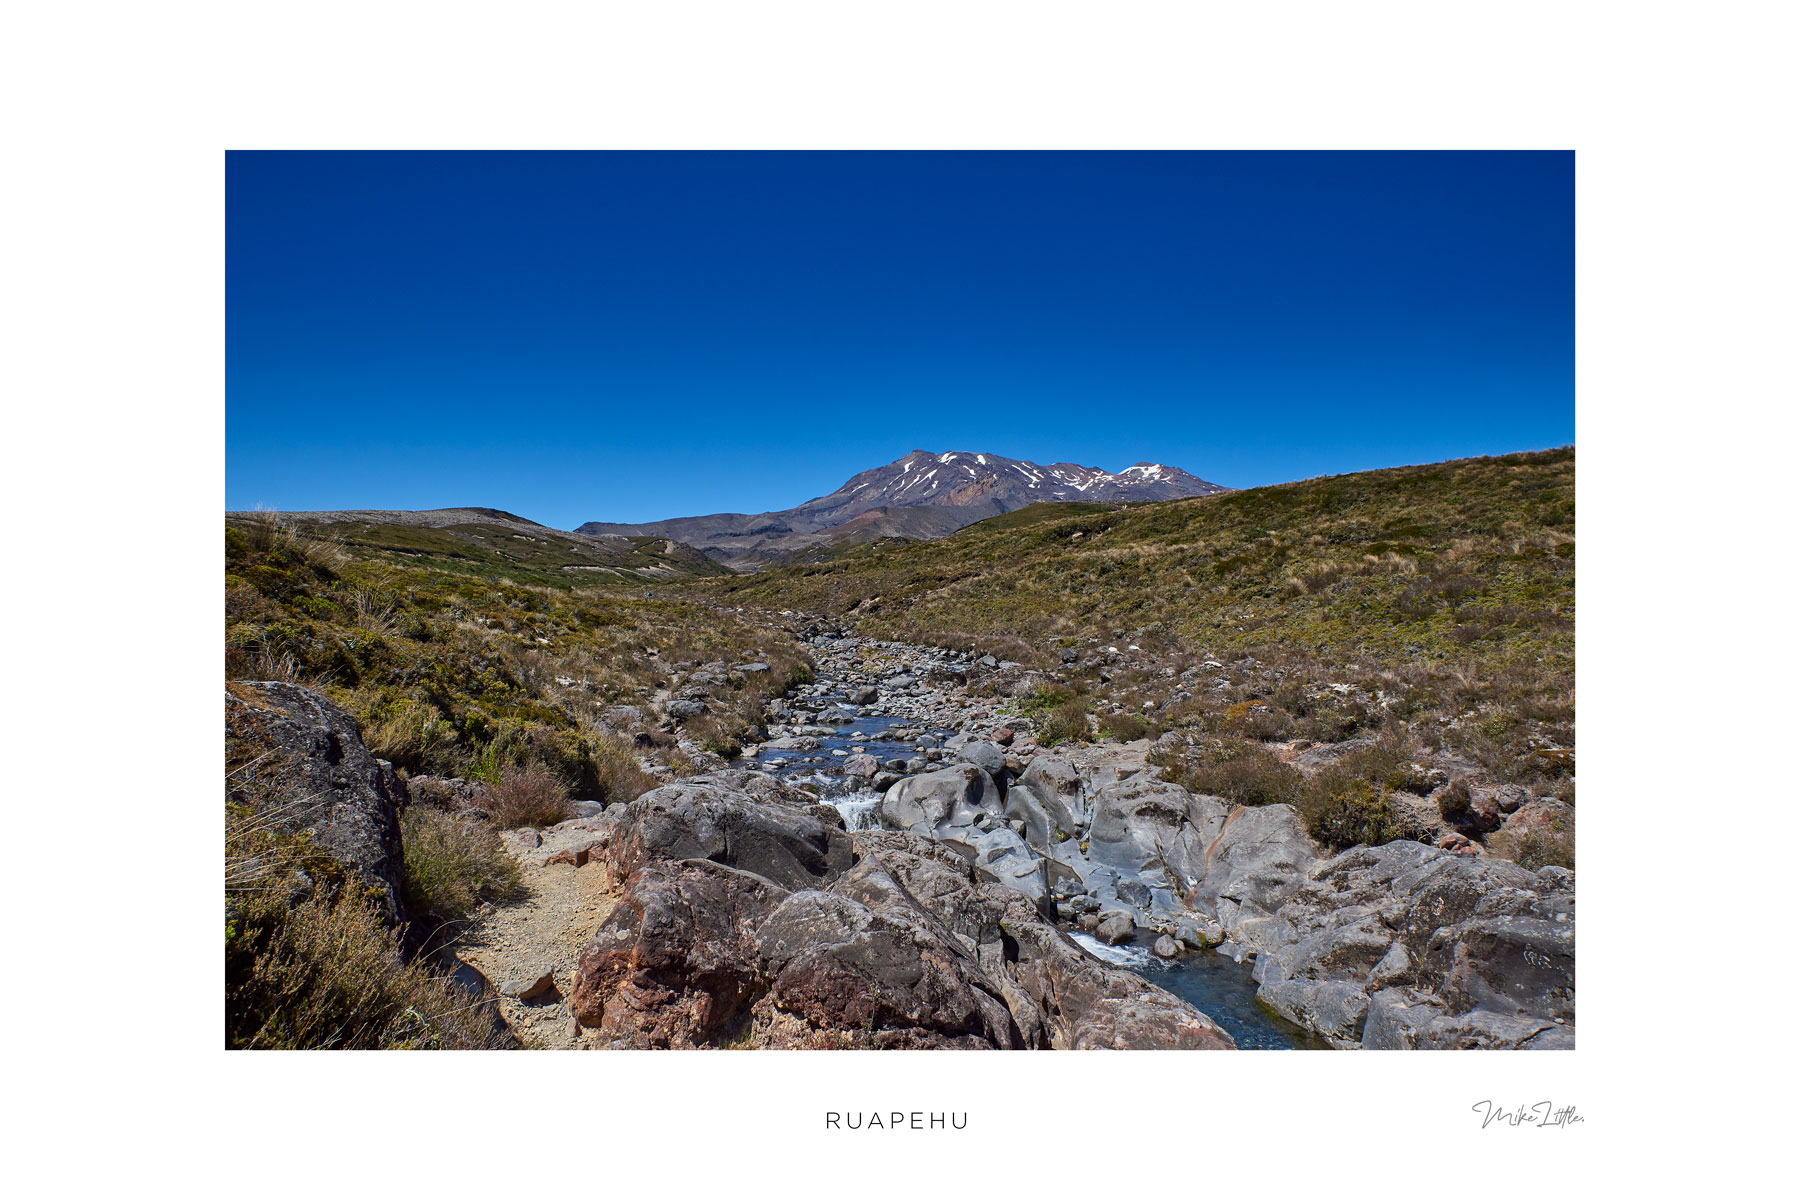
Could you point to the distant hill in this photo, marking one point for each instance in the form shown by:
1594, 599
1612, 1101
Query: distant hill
1470, 562
919, 497
1444, 594
490, 541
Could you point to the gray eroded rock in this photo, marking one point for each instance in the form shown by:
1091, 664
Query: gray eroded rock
938, 802
298, 758
778, 834
902, 947
1257, 855
1116, 928
986, 755
1054, 784
1463, 952
793, 743
1143, 825
1331, 1008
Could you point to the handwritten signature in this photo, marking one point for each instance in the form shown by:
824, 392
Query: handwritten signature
1543, 1114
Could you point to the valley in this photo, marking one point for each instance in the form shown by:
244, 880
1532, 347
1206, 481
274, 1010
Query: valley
1288, 767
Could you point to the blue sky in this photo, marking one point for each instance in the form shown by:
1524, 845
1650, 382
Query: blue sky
600, 336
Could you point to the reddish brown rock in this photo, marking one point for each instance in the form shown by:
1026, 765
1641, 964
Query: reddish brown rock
900, 946
675, 964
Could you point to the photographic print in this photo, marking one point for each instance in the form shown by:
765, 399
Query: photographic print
900, 600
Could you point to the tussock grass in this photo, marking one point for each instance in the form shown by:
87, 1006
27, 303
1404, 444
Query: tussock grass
465, 675
453, 865
309, 964
1067, 722
1240, 771
1442, 596
328, 976
528, 795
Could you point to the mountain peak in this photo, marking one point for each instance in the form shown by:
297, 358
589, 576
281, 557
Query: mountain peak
923, 493
963, 477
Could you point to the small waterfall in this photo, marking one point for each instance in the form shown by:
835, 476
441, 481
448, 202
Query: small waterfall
860, 809
1135, 957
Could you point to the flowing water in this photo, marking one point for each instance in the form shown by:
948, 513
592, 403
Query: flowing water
851, 797
1217, 986
1212, 983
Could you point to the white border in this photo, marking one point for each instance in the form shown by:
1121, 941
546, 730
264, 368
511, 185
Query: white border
114, 215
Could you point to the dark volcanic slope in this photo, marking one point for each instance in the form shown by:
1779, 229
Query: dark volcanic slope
920, 496
489, 541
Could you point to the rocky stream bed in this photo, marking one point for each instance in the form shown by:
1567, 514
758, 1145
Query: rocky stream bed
899, 864
1236, 910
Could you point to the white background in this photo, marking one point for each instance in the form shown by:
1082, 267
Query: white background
117, 118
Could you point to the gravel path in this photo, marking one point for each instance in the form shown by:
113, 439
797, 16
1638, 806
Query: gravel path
562, 909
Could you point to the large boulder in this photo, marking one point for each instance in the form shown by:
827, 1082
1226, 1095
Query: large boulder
1041, 830
900, 941
1054, 784
1257, 855
844, 963
1334, 1009
792, 742
1540, 832
1143, 825
940, 801
1403, 1019
984, 754
1116, 928
298, 762
675, 963
1001, 856
792, 841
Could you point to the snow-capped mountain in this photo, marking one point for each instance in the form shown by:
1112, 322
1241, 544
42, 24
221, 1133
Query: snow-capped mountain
960, 478
921, 495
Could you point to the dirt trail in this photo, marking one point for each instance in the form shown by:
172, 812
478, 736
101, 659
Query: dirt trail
563, 907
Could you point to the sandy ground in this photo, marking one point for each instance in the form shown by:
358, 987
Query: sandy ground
562, 908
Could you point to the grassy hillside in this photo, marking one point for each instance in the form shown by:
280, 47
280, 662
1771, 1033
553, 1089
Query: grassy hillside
517, 550
459, 673
1451, 585
1031, 514
450, 668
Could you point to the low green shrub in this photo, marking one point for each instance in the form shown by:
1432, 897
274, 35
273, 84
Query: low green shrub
1242, 772
1342, 810
1538, 850
1126, 727
453, 864
527, 795
1067, 722
1044, 699
716, 735
1453, 801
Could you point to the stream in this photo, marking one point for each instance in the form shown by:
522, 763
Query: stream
1214, 984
